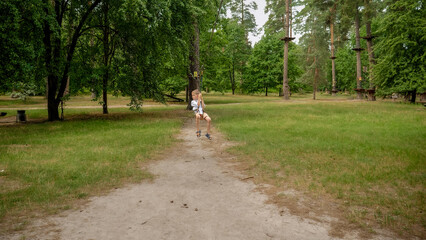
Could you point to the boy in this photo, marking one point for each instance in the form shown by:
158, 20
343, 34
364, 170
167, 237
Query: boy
198, 107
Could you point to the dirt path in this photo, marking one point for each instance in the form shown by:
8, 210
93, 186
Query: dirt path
195, 195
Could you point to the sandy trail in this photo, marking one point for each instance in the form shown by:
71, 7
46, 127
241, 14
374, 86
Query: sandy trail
195, 195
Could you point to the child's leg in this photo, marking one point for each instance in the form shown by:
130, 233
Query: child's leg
208, 119
197, 121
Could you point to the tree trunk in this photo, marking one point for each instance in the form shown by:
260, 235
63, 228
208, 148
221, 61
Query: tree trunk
194, 59
106, 59
53, 55
246, 35
230, 80
52, 75
358, 58
413, 96
266, 91
234, 84
286, 87
372, 62
315, 77
333, 66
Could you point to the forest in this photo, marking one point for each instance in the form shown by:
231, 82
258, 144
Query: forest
317, 119
157, 49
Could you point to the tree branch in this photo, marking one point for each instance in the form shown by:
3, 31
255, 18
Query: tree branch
72, 49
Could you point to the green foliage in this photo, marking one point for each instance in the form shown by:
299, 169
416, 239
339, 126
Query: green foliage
226, 58
149, 47
174, 85
401, 48
315, 44
265, 66
24, 90
215, 60
20, 44
276, 10
345, 68
241, 13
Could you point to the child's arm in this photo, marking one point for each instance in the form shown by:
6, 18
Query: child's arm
202, 101
199, 100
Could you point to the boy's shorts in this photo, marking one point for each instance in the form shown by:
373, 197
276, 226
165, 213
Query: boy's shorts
205, 115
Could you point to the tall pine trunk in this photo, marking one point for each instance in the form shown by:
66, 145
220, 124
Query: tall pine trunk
333, 66
372, 62
315, 78
358, 50
287, 39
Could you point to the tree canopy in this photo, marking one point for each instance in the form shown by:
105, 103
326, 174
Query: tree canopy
145, 49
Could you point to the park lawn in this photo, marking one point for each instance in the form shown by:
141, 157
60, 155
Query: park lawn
227, 98
45, 167
369, 156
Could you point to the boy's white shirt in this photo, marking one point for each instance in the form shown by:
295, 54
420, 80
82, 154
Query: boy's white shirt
196, 108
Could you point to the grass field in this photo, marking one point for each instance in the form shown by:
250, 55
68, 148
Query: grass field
44, 167
369, 156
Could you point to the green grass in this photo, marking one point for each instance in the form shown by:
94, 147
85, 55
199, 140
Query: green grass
48, 165
370, 156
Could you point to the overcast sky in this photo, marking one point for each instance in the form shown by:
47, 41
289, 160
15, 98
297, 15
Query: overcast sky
261, 19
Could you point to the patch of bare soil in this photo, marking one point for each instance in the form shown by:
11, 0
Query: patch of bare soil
196, 194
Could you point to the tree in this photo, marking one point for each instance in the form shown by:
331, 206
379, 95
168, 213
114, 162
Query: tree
265, 69
368, 13
345, 71
58, 67
241, 13
216, 58
314, 42
201, 12
287, 39
401, 49
358, 51
21, 46
276, 10
237, 52
333, 57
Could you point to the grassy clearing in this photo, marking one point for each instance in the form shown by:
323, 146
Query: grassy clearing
369, 156
218, 98
45, 167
